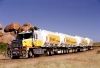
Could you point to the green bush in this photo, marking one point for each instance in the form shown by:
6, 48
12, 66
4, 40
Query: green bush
3, 47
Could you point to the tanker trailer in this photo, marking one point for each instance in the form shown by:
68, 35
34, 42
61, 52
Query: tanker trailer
62, 47
51, 41
91, 42
81, 43
87, 47
84, 43
71, 42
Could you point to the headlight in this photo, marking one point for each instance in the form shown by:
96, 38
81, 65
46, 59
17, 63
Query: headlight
23, 52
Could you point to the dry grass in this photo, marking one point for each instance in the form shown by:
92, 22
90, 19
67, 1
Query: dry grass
96, 44
85, 60
79, 62
2, 56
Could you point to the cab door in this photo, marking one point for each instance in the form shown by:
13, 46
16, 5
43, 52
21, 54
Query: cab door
38, 39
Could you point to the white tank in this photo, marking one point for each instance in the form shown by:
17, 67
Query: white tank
91, 42
61, 37
81, 41
71, 40
88, 41
44, 35
78, 38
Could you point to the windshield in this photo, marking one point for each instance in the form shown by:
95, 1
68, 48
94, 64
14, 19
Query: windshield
24, 36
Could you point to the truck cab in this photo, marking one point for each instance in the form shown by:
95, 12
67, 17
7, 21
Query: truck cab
16, 48
26, 45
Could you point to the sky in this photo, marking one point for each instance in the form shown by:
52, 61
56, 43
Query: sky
72, 17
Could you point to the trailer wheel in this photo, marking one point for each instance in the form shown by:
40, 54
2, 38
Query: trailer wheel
48, 53
30, 54
78, 50
62, 51
91, 48
45, 53
82, 50
73, 50
66, 51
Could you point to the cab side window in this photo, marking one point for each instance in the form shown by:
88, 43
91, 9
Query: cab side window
35, 36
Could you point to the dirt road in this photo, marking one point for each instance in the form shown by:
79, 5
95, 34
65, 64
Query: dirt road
70, 56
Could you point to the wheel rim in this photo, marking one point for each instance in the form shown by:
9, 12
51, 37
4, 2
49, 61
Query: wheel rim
30, 54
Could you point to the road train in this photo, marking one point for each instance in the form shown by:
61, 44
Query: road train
31, 43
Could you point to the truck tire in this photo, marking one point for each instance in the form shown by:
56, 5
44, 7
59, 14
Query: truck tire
15, 57
48, 53
78, 50
30, 54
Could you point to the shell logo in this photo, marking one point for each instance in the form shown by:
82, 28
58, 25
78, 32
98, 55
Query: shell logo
91, 42
84, 41
53, 38
69, 40
66, 39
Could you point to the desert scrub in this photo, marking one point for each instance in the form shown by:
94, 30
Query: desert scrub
96, 44
3, 47
98, 52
